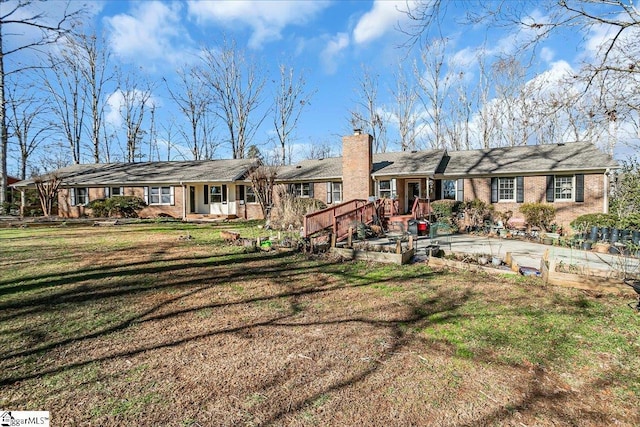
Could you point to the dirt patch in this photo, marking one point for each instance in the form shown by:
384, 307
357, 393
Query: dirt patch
151, 329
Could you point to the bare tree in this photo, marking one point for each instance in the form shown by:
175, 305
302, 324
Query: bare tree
18, 17
194, 99
25, 113
135, 100
237, 86
263, 181
435, 81
47, 188
367, 115
290, 100
403, 110
64, 83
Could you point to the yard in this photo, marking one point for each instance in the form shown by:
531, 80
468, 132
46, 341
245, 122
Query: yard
165, 324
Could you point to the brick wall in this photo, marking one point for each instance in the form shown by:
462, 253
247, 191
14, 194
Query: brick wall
357, 164
65, 209
535, 192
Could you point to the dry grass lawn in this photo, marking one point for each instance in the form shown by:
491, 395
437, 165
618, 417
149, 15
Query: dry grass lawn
136, 325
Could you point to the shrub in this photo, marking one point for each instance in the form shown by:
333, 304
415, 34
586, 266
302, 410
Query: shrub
539, 215
444, 210
585, 222
630, 221
289, 210
478, 211
120, 206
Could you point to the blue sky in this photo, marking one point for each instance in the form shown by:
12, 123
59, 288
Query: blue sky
328, 41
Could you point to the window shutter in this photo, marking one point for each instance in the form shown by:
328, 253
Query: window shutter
87, 199
519, 189
460, 190
580, 187
146, 195
206, 194
122, 191
393, 189
494, 190
438, 188
550, 195
107, 192
72, 196
311, 190
172, 195
224, 193
241, 192
329, 192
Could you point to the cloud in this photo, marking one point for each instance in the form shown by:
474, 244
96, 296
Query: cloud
382, 18
267, 19
151, 31
332, 52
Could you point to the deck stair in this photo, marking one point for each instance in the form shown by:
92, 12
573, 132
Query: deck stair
340, 218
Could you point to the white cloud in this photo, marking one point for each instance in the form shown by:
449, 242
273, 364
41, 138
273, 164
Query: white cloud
382, 18
152, 31
332, 51
267, 19
547, 54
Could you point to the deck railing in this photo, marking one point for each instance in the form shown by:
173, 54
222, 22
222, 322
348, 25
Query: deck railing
325, 218
421, 208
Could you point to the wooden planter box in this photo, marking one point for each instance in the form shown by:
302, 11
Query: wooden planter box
383, 257
468, 266
592, 280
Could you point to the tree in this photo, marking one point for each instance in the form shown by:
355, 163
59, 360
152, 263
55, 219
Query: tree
403, 110
263, 180
194, 99
135, 97
24, 113
47, 187
237, 86
290, 100
16, 17
367, 115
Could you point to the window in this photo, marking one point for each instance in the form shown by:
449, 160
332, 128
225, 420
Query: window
113, 191
216, 194
384, 190
334, 192
79, 196
250, 195
302, 189
506, 189
449, 189
563, 188
161, 196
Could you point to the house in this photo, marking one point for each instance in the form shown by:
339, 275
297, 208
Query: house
184, 189
573, 177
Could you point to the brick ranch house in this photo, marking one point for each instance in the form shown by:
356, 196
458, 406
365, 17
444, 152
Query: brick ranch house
573, 177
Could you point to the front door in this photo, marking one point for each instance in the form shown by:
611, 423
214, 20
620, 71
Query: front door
192, 199
413, 193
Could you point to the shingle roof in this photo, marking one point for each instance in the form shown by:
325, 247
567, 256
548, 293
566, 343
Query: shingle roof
572, 156
407, 163
152, 172
312, 170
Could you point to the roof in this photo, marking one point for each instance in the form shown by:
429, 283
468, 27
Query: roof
407, 163
99, 174
312, 170
529, 159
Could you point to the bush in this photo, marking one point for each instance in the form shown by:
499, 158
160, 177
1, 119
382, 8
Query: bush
290, 210
585, 222
478, 211
119, 206
539, 215
630, 221
445, 210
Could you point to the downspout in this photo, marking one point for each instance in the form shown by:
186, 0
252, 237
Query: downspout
607, 187
184, 201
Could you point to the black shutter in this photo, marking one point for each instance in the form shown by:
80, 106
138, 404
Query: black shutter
438, 187
579, 187
311, 190
550, 189
206, 194
224, 193
494, 190
519, 189
241, 192
460, 190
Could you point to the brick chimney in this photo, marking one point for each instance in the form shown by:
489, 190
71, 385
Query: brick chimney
357, 163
